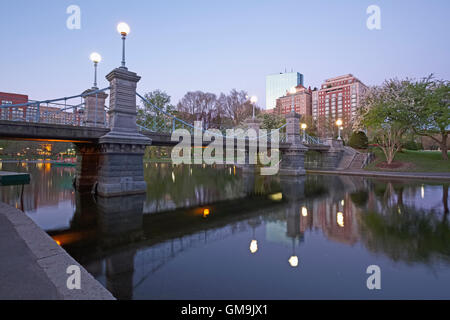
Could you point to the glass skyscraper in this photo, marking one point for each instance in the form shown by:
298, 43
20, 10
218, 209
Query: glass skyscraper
278, 84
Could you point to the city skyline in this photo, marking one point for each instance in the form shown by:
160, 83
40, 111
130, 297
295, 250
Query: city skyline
332, 40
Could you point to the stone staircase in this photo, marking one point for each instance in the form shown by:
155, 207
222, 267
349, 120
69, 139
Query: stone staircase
353, 160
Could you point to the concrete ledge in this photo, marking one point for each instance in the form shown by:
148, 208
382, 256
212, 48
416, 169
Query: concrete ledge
53, 259
375, 174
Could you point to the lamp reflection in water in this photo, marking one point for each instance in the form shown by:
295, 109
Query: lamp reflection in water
253, 246
340, 219
304, 212
254, 243
293, 260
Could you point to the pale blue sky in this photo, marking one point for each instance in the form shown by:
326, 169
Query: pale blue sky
214, 46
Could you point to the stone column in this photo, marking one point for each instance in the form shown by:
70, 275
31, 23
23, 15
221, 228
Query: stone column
293, 155
331, 157
253, 123
95, 108
121, 169
248, 167
87, 166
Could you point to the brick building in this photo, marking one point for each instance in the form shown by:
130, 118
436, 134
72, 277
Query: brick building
12, 98
302, 102
337, 98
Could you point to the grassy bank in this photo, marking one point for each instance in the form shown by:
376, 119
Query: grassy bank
411, 161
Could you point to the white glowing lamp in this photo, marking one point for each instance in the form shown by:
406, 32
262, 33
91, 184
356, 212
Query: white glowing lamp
95, 57
123, 28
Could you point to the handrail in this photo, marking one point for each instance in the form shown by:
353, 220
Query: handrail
53, 100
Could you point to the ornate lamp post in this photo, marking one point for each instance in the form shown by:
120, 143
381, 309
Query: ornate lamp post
339, 124
253, 101
304, 126
293, 91
95, 58
124, 30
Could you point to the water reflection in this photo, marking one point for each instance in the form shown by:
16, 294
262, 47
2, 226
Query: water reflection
213, 234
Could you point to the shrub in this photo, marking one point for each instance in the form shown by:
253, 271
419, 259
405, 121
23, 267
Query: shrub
359, 140
412, 145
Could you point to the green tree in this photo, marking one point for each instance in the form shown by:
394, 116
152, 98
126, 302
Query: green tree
358, 140
385, 113
271, 121
150, 117
430, 114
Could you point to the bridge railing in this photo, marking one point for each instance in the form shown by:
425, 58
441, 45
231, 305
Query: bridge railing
67, 110
161, 121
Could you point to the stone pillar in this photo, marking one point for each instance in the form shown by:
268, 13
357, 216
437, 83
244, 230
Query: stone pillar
331, 157
95, 108
121, 169
253, 123
293, 128
293, 155
247, 167
87, 166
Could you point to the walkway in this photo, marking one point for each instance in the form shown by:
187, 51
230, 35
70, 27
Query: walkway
386, 174
33, 266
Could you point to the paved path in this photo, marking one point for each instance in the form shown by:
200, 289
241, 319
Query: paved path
20, 275
33, 266
385, 174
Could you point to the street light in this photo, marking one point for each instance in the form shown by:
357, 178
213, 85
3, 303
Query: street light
95, 58
124, 30
293, 91
254, 100
339, 124
304, 126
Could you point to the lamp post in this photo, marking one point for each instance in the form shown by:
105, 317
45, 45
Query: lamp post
339, 124
253, 100
293, 91
124, 30
95, 58
304, 126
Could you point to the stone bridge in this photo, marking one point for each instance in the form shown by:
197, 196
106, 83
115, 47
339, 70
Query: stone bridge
110, 160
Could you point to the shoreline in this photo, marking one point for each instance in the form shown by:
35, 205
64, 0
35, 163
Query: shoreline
384, 174
42, 261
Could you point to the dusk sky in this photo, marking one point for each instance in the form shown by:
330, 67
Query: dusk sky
215, 46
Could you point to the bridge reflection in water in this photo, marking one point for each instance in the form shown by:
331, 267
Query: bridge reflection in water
248, 236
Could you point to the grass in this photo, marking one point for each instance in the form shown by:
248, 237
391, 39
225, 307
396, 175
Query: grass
413, 161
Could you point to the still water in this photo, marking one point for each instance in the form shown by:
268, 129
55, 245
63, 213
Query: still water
215, 233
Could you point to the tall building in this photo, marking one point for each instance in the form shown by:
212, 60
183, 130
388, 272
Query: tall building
278, 84
12, 98
337, 98
301, 99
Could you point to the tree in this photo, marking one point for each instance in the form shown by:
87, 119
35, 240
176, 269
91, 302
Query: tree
430, 114
358, 140
148, 115
236, 106
271, 121
199, 106
385, 112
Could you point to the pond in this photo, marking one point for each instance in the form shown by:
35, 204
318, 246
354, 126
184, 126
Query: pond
203, 232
